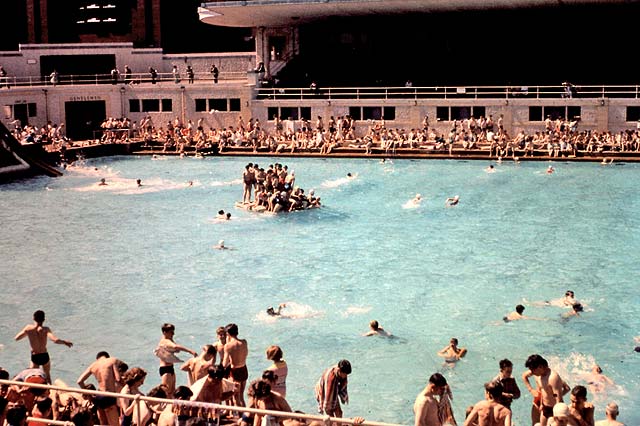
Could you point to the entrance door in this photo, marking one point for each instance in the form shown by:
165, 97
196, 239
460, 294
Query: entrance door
21, 112
83, 118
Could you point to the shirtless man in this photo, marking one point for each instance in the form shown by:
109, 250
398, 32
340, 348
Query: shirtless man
222, 339
376, 330
38, 334
515, 315
197, 367
166, 350
549, 385
426, 405
581, 410
452, 201
611, 412
235, 357
105, 370
452, 353
490, 412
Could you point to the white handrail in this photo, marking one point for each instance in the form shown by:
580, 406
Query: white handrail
48, 421
196, 404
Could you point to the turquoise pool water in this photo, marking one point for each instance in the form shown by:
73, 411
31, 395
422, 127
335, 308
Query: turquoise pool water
110, 264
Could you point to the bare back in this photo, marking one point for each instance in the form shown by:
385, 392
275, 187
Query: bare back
236, 352
37, 335
104, 370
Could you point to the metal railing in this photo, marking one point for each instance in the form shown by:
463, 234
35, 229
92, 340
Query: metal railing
326, 420
99, 79
449, 92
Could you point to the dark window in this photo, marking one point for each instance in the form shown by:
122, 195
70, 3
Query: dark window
479, 111
167, 105
305, 112
389, 113
234, 104
555, 112
151, 105
633, 113
442, 113
289, 113
573, 112
272, 112
33, 110
134, 105
355, 112
372, 113
460, 112
218, 105
201, 105
535, 113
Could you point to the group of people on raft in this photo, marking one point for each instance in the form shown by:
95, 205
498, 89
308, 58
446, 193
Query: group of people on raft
275, 190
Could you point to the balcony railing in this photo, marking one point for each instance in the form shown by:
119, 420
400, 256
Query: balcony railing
99, 79
449, 92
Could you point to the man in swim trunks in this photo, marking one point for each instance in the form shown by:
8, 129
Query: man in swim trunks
235, 358
331, 389
38, 334
105, 370
166, 350
426, 404
549, 386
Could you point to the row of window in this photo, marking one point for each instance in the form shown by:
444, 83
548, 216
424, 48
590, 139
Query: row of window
166, 105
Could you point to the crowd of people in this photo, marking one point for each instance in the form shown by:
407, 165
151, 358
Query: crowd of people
275, 190
558, 139
219, 374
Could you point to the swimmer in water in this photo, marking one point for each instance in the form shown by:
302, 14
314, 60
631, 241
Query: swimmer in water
376, 330
517, 315
139, 182
190, 183
276, 313
550, 170
597, 381
491, 169
417, 199
574, 312
221, 215
221, 246
452, 353
349, 175
103, 182
605, 162
452, 201
569, 298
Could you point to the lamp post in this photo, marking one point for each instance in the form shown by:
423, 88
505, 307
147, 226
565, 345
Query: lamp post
46, 105
122, 90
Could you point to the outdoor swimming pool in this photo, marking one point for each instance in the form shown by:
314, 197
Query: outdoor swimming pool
110, 264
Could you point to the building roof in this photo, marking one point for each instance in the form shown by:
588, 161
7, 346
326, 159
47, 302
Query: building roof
275, 13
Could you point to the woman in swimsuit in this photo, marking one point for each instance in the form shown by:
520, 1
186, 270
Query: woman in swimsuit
165, 351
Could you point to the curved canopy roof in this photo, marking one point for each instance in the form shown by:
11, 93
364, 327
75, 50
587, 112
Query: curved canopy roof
276, 13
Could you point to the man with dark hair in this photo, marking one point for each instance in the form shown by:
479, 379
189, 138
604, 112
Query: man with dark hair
105, 370
235, 357
16, 415
510, 389
38, 334
581, 410
174, 414
331, 389
550, 387
426, 405
489, 412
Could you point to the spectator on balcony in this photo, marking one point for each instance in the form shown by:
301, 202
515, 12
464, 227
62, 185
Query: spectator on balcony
153, 74
54, 77
127, 74
176, 74
190, 74
115, 73
4, 81
215, 73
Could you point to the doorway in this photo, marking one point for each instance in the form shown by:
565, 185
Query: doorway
84, 118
